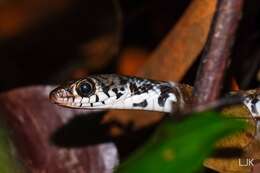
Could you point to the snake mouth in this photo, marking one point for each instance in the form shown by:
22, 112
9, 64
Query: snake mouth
60, 96
63, 97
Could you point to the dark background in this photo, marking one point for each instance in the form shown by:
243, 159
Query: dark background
44, 43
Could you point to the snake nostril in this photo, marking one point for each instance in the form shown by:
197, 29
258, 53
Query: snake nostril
53, 96
60, 94
57, 94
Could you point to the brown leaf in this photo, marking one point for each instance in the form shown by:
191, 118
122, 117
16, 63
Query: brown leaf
174, 56
131, 60
242, 141
180, 48
104, 42
18, 16
32, 119
99, 51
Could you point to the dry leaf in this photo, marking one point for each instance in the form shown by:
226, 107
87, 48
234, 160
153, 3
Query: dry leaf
33, 119
18, 16
174, 56
240, 141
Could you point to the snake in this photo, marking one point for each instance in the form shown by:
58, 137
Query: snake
113, 91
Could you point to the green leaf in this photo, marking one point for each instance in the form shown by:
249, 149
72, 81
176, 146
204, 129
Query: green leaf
181, 147
8, 162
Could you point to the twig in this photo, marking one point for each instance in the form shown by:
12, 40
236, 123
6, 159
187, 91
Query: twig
214, 62
174, 56
182, 45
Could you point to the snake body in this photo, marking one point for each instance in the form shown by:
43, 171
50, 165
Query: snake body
111, 91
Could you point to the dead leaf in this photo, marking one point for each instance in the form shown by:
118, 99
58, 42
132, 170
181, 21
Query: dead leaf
174, 56
32, 120
131, 60
18, 16
180, 48
241, 141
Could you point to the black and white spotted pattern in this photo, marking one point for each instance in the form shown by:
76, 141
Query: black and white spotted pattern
252, 102
119, 92
113, 91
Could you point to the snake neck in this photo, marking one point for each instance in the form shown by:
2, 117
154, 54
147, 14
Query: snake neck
113, 91
122, 92
162, 97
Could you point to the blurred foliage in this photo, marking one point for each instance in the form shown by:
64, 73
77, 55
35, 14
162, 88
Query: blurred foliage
72, 39
174, 55
8, 164
181, 147
244, 141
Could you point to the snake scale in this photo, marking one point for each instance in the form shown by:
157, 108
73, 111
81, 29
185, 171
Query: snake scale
112, 91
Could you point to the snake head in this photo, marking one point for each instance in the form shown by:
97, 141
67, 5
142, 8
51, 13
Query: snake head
91, 92
112, 91
73, 93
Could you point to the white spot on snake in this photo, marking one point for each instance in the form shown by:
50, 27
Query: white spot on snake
172, 97
102, 96
110, 100
157, 106
85, 100
248, 103
137, 98
111, 93
168, 104
92, 99
128, 103
258, 108
157, 91
77, 99
97, 104
152, 96
119, 105
85, 104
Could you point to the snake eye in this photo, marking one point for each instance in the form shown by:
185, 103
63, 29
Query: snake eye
84, 89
